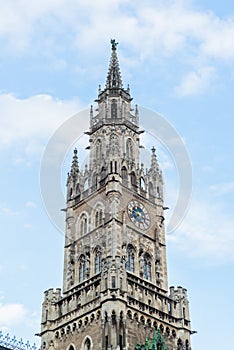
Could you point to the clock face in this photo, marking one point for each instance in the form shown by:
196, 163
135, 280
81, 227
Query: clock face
138, 215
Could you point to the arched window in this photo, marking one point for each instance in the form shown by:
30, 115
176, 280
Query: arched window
142, 183
98, 217
129, 149
83, 224
124, 175
87, 344
130, 264
98, 149
86, 184
179, 344
82, 268
133, 180
98, 261
147, 267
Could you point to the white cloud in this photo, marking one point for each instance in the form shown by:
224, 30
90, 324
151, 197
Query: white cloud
151, 31
206, 232
196, 82
31, 120
11, 314
4, 210
30, 204
145, 27
222, 188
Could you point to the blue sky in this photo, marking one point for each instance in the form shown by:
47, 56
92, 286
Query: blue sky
178, 57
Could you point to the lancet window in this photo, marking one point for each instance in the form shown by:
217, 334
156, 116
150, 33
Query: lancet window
98, 217
130, 264
98, 260
147, 267
82, 268
129, 149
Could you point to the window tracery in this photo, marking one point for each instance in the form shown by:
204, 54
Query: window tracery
147, 267
130, 263
98, 217
82, 268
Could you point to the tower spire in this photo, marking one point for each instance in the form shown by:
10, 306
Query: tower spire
114, 80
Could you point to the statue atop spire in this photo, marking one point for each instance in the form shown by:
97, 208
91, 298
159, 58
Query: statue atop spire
114, 80
114, 44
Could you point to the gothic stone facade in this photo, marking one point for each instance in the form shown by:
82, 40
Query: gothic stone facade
115, 289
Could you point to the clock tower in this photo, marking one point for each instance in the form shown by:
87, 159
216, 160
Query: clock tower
115, 289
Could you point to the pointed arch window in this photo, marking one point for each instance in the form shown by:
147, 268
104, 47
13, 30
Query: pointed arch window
98, 217
98, 261
124, 175
87, 344
133, 180
82, 269
130, 263
147, 267
86, 184
83, 224
142, 184
129, 149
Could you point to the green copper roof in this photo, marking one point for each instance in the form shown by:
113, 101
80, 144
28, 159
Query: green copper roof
156, 343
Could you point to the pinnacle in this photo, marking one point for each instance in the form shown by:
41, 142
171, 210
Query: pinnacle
75, 166
154, 161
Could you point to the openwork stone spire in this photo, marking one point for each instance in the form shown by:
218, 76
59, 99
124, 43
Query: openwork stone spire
154, 161
75, 166
114, 80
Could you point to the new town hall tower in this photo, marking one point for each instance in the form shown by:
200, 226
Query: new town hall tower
115, 290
